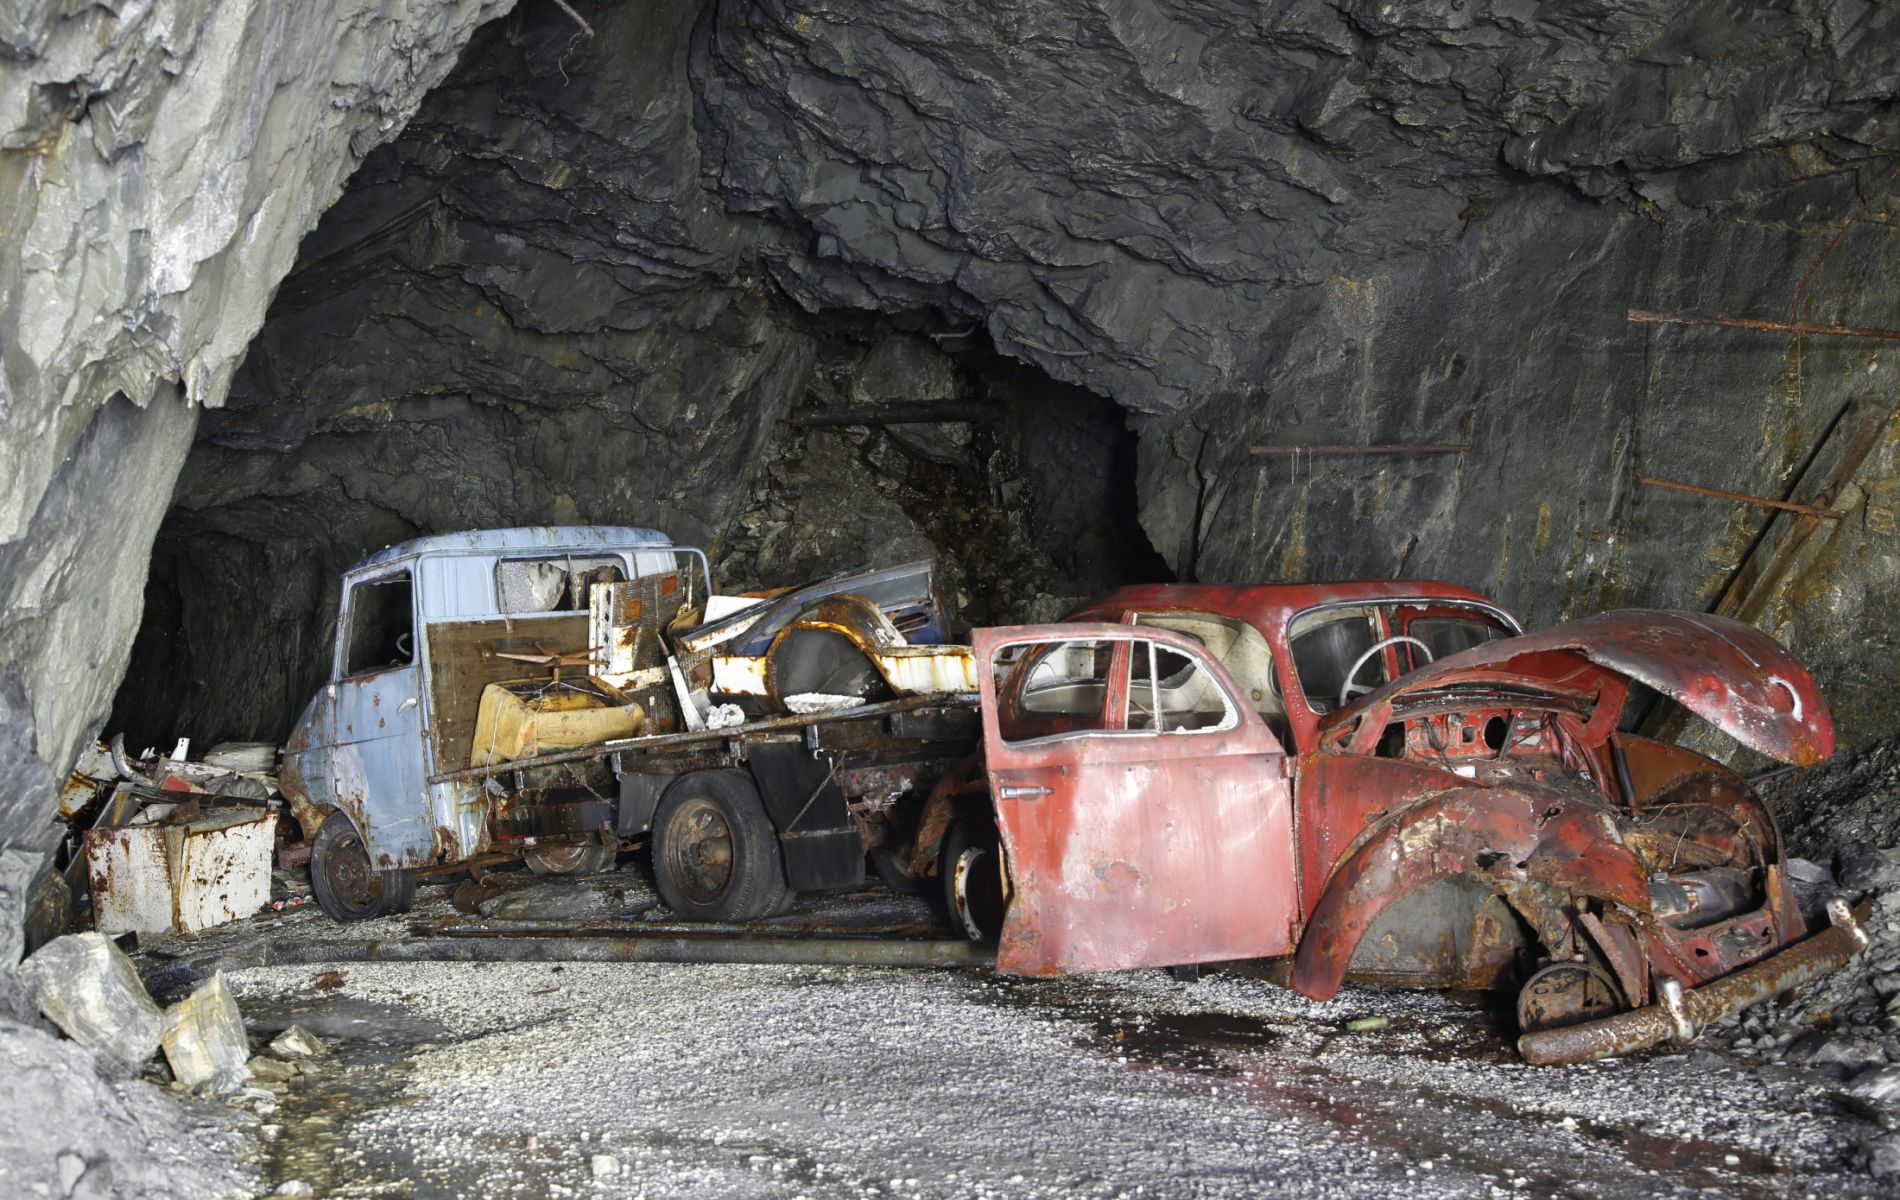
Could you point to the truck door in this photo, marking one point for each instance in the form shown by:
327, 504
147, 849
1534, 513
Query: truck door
1143, 815
379, 772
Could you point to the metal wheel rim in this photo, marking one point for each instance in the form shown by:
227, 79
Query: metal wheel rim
351, 877
1564, 994
964, 877
699, 850
562, 860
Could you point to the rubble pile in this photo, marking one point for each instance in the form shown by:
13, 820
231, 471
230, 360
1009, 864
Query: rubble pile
1847, 800
1845, 1027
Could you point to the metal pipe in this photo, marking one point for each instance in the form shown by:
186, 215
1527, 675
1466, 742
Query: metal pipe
1644, 316
890, 414
885, 952
1806, 510
1643, 1028
635, 927
1366, 448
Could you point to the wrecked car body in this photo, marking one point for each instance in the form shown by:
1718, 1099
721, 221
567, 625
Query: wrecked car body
1389, 782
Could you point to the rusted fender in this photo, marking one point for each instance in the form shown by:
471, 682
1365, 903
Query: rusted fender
1729, 673
1507, 836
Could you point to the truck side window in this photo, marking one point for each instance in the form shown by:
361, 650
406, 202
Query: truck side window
1053, 688
382, 626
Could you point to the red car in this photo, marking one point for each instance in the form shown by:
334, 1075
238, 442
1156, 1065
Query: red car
1390, 782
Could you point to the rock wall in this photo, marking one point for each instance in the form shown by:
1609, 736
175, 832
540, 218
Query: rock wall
1348, 222
159, 164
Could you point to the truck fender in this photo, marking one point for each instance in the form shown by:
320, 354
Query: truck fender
1525, 842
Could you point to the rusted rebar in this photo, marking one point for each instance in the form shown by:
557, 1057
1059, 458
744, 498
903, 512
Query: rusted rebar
906, 413
1643, 316
1806, 510
1365, 448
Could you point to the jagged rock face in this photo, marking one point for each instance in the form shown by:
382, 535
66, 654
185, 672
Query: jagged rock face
160, 163
1349, 222
1323, 222
533, 307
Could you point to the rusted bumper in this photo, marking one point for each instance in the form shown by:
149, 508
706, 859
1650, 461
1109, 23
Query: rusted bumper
1683, 1013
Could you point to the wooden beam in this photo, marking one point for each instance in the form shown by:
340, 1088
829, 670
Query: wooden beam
1758, 578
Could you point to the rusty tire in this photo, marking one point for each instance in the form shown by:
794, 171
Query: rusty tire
893, 870
715, 852
972, 879
347, 885
576, 859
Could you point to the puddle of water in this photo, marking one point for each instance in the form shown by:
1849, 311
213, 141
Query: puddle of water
364, 1072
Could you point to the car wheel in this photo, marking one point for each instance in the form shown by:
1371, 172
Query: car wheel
972, 875
347, 885
715, 852
582, 859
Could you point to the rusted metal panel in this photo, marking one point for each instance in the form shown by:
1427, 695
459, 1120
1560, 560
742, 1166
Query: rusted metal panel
1133, 847
159, 878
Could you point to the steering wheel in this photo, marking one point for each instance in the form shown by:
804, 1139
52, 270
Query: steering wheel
1349, 689
405, 646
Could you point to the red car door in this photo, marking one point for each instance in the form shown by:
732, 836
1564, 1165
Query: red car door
1143, 814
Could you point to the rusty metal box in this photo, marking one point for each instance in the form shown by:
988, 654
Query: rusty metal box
180, 878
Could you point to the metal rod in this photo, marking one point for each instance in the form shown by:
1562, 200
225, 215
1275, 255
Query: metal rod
1644, 316
908, 413
880, 952
668, 741
1806, 510
635, 927
1366, 448
1642, 1028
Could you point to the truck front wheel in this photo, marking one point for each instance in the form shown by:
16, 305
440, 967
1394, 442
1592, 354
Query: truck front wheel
715, 853
348, 886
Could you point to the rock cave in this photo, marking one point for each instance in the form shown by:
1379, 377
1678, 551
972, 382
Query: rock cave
1581, 307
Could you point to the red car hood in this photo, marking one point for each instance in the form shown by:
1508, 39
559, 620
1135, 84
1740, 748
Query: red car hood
1730, 674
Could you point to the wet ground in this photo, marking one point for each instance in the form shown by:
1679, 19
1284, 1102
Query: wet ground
584, 1079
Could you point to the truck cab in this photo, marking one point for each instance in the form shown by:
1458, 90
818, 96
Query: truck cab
422, 628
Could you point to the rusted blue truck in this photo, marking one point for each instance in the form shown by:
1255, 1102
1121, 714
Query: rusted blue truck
560, 693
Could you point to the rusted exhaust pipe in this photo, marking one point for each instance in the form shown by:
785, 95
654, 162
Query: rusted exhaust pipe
1643, 1028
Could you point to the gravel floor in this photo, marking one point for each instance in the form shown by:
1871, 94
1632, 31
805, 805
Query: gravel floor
539, 1080
543, 1080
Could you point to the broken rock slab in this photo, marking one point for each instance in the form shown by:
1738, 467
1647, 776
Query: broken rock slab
297, 1042
88, 987
204, 1039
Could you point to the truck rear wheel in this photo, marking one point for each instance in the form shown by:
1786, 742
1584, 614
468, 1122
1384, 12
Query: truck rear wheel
715, 852
348, 886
